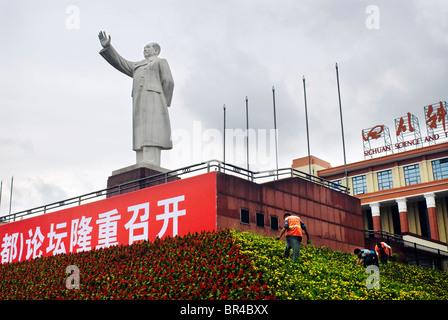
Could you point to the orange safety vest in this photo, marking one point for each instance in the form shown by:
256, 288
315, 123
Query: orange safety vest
295, 228
386, 250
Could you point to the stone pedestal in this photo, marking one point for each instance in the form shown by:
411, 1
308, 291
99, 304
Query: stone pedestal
131, 178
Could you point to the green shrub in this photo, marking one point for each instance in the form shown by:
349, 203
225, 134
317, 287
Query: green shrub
322, 273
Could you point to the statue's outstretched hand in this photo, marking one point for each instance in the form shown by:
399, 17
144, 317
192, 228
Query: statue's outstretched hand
104, 39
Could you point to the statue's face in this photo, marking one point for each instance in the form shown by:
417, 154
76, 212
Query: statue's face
150, 50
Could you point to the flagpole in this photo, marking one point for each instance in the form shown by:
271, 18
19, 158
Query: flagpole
10, 195
1, 189
275, 129
307, 129
342, 124
224, 137
247, 133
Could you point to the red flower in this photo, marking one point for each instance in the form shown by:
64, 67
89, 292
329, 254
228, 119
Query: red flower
203, 265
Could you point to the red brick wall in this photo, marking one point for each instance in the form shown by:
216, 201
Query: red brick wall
333, 219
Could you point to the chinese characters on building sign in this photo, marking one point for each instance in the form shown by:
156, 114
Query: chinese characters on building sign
407, 130
379, 136
436, 118
377, 140
171, 209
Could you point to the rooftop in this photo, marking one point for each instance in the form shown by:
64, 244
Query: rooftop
387, 159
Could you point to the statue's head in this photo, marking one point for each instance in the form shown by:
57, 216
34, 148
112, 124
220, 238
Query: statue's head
151, 49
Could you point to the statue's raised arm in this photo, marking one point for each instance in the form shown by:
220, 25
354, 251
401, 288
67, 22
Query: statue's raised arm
113, 57
104, 39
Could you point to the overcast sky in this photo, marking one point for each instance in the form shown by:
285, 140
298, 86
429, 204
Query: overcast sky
66, 114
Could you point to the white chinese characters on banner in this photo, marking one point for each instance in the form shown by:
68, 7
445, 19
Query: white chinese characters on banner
80, 234
170, 214
59, 246
10, 249
76, 235
34, 243
131, 225
107, 235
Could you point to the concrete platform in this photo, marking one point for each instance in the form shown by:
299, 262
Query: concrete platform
122, 178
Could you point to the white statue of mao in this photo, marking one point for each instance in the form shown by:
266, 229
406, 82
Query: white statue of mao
152, 92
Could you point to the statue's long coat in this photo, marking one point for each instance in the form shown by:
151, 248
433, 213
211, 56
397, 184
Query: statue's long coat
152, 92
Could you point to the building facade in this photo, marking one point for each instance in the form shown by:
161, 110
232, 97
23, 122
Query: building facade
404, 195
333, 218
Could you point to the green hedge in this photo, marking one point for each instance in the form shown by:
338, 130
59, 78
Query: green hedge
322, 273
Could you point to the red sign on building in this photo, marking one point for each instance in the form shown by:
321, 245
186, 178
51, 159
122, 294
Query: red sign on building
439, 116
407, 131
175, 208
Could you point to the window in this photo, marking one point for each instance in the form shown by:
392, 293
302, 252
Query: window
424, 220
274, 223
335, 185
244, 216
368, 223
412, 174
359, 185
259, 219
440, 169
385, 180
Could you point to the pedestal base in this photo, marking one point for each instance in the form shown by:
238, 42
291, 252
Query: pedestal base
131, 178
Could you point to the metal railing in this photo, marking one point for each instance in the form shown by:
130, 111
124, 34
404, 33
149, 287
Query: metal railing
212, 165
383, 234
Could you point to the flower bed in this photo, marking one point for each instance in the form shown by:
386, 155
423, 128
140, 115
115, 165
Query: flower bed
207, 265
215, 265
325, 274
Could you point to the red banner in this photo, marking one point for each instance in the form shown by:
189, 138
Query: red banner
174, 208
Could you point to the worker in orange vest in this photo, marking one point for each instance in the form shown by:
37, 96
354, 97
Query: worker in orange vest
383, 251
293, 228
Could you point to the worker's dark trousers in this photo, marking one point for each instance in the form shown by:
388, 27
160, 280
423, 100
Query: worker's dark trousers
294, 244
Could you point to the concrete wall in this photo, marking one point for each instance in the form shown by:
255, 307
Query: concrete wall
333, 219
